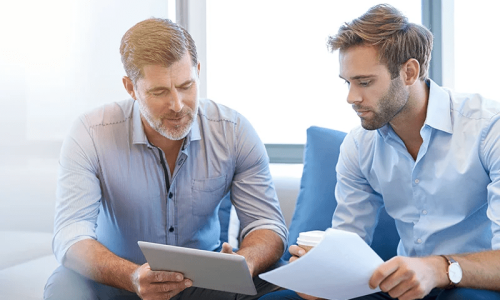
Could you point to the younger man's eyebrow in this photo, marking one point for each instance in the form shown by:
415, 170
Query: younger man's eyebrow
357, 77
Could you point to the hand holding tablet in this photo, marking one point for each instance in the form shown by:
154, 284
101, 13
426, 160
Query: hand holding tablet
148, 283
206, 269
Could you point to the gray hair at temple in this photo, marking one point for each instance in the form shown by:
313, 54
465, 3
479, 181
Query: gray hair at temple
396, 39
155, 42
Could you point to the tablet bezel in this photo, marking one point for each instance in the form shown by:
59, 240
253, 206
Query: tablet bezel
207, 269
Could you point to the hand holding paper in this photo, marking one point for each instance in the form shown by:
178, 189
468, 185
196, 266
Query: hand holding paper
339, 267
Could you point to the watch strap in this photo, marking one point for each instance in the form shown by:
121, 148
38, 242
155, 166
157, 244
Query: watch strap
450, 261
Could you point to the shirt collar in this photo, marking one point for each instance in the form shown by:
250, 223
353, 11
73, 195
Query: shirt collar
139, 136
438, 111
194, 133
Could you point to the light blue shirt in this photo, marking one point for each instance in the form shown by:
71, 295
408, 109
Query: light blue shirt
112, 187
448, 199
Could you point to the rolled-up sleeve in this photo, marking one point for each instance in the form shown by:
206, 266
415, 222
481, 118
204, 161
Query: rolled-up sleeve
252, 191
78, 192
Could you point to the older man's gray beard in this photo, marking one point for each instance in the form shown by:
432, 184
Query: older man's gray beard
178, 132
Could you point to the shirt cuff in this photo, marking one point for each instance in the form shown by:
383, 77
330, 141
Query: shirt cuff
277, 227
69, 235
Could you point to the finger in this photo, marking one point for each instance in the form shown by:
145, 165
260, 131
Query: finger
414, 293
382, 272
179, 288
293, 258
164, 276
395, 285
226, 248
168, 287
296, 251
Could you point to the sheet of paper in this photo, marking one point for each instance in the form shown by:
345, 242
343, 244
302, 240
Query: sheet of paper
339, 267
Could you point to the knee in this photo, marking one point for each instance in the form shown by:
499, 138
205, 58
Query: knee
67, 284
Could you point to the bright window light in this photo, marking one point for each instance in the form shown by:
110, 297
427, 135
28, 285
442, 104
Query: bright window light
269, 60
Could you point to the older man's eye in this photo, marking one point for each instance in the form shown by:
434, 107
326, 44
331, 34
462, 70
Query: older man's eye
187, 87
364, 83
157, 93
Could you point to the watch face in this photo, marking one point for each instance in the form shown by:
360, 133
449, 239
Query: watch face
455, 273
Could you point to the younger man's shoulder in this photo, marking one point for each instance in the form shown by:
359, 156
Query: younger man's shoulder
474, 106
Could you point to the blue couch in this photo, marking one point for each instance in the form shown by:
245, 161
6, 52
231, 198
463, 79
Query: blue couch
316, 200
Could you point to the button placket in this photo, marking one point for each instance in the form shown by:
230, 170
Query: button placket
171, 216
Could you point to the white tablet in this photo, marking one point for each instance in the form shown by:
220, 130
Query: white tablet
207, 269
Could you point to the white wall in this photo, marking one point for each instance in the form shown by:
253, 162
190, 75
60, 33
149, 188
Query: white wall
58, 58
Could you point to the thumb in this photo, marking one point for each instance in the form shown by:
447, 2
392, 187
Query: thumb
226, 248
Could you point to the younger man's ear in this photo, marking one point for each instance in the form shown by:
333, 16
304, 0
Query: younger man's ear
410, 71
129, 86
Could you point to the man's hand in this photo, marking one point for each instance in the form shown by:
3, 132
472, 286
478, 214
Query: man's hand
408, 278
227, 248
151, 285
296, 252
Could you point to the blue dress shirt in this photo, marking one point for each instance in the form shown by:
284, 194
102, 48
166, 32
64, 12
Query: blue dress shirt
448, 199
112, 186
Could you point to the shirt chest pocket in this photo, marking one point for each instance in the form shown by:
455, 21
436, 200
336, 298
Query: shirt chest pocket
207, 193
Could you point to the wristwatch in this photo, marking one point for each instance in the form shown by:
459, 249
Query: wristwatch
454, 271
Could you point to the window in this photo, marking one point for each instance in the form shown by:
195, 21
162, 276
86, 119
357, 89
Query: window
476, 48
60, 58
269, 61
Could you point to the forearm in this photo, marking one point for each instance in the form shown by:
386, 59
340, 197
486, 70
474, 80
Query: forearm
481, 270
261, 249
91, 259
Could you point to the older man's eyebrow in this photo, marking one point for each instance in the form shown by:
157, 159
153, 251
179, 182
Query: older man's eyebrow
157, 89
164, 88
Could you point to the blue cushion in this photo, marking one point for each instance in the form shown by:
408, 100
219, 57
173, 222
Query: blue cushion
316, 200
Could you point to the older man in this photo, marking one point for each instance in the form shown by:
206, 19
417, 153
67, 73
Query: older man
156, 168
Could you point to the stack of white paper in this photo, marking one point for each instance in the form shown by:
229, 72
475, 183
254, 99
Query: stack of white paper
339, 267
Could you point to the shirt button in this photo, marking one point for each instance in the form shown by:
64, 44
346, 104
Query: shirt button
170, 195
424, 212
171, 229
417, 181
419, 241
